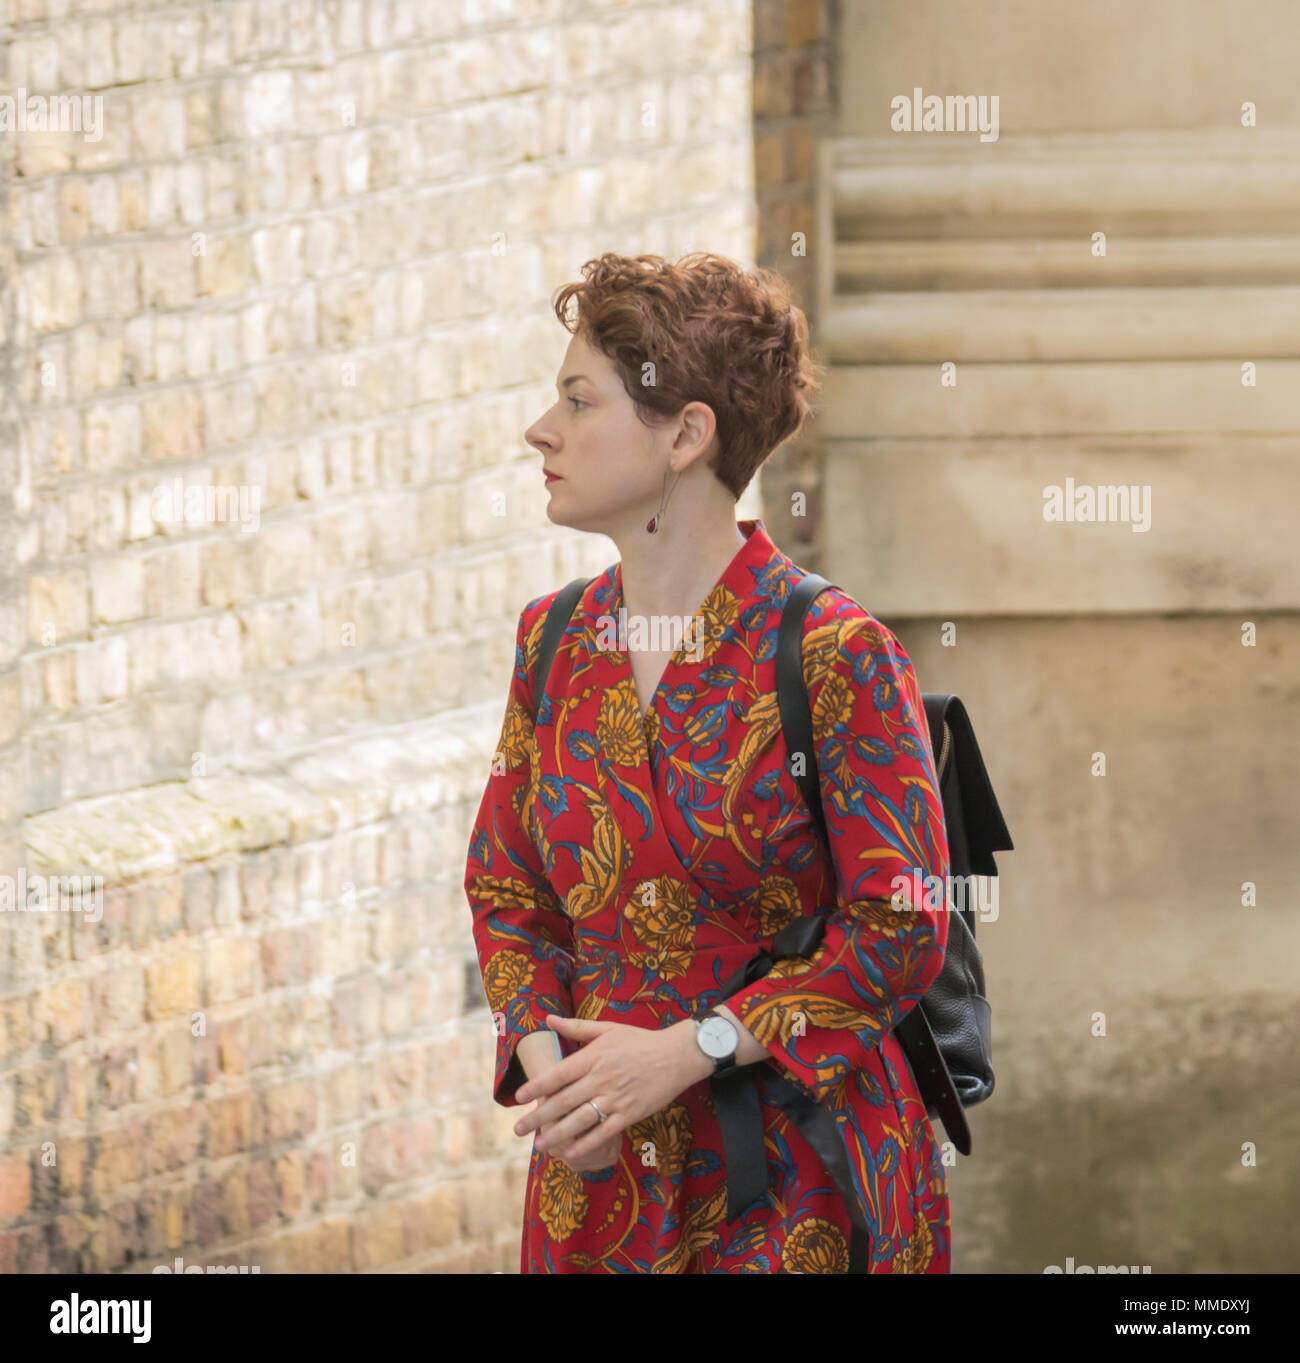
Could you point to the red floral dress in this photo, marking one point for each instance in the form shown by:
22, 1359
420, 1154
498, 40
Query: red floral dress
623, 868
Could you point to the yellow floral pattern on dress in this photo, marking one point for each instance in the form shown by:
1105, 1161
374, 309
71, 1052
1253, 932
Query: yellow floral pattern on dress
915, 1256
667, 1134
619, 729
815, 1246
602, 865
563, 1201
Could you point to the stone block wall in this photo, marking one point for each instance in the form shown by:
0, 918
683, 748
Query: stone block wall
1103, 297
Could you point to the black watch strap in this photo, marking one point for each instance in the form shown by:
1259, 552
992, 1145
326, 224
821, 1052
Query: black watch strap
726, 1063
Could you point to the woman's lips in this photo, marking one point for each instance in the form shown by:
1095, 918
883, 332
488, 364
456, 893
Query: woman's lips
552, 477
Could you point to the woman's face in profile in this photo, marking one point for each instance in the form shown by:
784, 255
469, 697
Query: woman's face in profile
605, 459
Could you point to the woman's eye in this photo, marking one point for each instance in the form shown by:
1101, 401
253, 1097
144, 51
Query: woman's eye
578, 401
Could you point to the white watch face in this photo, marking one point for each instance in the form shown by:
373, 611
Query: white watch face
717, 1037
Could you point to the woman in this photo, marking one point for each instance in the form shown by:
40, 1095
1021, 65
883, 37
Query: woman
643, 836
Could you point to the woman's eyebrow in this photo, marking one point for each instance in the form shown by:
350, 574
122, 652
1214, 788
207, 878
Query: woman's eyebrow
573, 378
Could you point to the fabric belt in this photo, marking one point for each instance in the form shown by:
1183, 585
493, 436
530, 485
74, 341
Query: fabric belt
740, 1117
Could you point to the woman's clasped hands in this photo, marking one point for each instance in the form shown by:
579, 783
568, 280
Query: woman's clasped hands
630, 1073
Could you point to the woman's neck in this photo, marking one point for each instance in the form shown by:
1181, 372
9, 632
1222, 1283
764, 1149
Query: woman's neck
671, 572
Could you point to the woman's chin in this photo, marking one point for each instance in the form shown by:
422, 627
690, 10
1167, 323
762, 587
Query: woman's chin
558, 513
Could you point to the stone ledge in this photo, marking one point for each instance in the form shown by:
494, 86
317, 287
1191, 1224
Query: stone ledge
1170, 175
1065, 324
1052, 262
330, 789
1086, 398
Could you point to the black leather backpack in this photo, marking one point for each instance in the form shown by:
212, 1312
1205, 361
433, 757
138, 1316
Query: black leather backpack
947, 1037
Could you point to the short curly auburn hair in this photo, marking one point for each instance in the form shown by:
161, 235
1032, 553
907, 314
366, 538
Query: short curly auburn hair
715, 333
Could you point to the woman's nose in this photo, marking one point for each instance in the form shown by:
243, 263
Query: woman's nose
538, 436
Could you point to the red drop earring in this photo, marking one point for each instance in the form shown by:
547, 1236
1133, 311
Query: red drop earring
652, 525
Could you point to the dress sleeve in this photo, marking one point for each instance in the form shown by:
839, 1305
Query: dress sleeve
521, 931
886, 934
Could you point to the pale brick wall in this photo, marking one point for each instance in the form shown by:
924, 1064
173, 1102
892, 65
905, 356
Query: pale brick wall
311, 258
13, 597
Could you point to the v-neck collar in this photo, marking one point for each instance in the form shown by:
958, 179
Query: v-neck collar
739, 580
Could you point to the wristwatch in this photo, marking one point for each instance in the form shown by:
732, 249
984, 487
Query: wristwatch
718, 1039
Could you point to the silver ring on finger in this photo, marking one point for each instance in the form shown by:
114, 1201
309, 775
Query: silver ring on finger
602, 1115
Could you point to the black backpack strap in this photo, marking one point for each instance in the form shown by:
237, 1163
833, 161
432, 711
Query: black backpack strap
792, 691
558, 615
